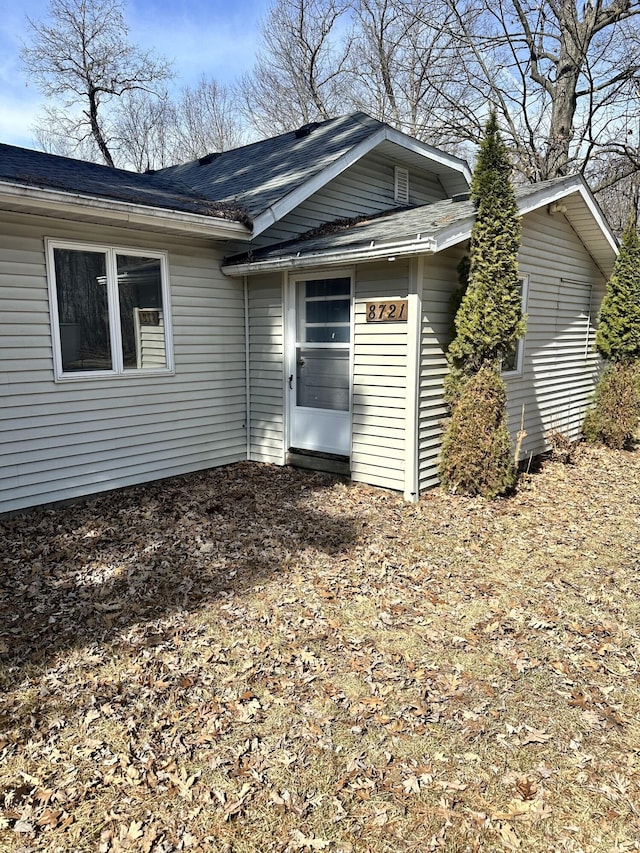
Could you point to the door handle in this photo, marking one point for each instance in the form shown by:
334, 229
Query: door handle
291, 382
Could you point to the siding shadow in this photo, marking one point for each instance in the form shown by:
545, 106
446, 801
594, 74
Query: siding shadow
81, 575
561, 366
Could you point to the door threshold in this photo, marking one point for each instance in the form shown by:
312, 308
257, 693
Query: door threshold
315, 460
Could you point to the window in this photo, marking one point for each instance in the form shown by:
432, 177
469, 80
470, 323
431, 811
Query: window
512, 361
109, 311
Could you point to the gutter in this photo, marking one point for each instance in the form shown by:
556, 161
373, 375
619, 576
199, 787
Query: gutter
247, 364
17, 197
418, 245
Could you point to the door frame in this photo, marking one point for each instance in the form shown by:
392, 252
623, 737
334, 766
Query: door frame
290, 285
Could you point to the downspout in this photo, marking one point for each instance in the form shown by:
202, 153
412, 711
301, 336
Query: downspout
412, 399
245, 284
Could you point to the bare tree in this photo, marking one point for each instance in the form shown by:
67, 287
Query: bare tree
81, 55
144, 131
207, 120
299, 71
561, 75
152, 132
406, 66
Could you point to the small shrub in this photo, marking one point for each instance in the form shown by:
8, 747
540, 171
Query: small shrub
562, 446
476, 450
613, 418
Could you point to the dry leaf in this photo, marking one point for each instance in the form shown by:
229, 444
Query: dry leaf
509, 836
234, 808
300, 841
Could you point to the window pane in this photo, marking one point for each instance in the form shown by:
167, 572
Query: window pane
141, 312
510, 360
331, 311
327, 335
328, 287
83, 311
322, 380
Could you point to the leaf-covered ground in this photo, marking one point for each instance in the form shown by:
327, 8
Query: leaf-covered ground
264, 659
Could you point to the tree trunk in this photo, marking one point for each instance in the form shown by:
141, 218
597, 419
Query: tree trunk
575, 37
96, 130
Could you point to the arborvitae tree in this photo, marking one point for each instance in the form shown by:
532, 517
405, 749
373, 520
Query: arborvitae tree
476, 453
489, 320
613, 418
618, 336
476, 448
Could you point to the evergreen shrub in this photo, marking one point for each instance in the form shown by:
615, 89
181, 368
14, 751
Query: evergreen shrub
476, 453
476, 456
613, 419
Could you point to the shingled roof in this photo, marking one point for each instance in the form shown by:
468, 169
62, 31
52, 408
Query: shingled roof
262, 180
259, 174
48, 171
266, 173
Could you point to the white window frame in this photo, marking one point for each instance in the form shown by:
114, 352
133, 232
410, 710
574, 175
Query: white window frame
113, 301
517, 371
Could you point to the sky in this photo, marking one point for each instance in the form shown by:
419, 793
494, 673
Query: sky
214, 38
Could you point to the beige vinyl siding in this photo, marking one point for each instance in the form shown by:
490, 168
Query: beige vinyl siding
379, 380
560, 363
266, 369
66, 439
366, 188
440, 280
150, 342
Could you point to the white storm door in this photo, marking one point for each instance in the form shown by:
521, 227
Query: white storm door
320, 376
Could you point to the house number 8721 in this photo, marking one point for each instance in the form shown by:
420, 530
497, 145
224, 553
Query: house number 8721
387, 312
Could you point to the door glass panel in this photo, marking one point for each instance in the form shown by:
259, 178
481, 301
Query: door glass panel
328, 311
328, 287
324, 317
324, 311
322, 378
327, 334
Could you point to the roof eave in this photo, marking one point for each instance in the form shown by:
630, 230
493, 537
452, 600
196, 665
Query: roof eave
449, 161
18, 197
335, 257
571, 184
287, 203
446, 237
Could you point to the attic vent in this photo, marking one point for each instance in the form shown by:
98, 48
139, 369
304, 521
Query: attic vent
208, 158
306, 129
401, 185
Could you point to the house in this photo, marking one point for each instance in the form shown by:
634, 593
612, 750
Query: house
287, 301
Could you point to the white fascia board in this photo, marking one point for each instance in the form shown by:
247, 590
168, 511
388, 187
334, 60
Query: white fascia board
455, 234
276, 211
444, 238
18, 197
452, 163
461, 231
337, 257
573, 184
